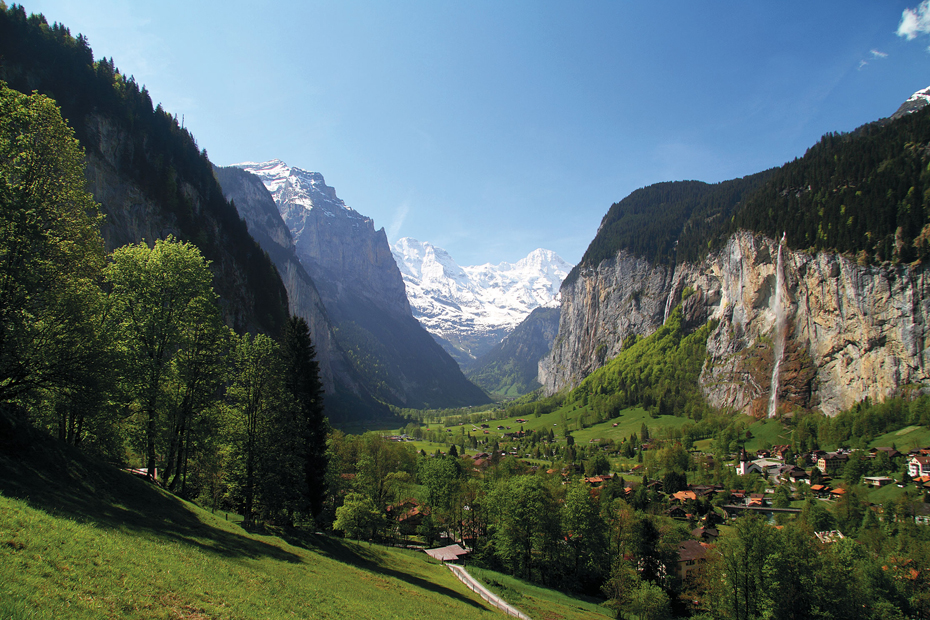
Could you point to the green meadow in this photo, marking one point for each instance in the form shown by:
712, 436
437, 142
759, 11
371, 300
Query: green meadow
83, 540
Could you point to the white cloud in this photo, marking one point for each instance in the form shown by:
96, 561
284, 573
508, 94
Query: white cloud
878, 54
915, 22
862, 64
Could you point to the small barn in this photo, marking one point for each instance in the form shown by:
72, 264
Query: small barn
451, 553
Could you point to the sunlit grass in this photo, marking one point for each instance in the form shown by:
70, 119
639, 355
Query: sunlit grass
539, 602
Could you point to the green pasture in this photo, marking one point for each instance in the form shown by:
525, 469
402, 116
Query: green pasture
80, 539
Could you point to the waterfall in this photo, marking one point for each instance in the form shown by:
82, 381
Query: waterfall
668, 304
779, 346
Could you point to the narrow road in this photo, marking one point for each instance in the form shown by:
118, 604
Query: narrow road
486, 594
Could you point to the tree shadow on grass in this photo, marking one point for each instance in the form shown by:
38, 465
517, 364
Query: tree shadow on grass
59, 479
357, 555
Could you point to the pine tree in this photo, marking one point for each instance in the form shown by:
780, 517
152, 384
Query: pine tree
302, 381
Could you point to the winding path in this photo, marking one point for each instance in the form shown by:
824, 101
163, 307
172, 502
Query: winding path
468, 580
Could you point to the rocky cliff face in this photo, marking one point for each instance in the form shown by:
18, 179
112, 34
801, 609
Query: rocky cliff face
348, 259
851, 331
132, 216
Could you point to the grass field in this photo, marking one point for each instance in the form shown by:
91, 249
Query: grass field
82, 540
539, 602
905, 439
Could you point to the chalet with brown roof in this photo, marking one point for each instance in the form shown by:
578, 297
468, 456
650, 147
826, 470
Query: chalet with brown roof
451, 553
780, 451
676, 512
821, 491
708, 534
684, 496
891, 452
691, 555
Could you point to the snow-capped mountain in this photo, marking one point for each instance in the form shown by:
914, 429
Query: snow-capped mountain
473, 308
293, 186
915, 102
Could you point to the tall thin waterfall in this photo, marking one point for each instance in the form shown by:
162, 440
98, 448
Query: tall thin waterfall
779, 348
668, 303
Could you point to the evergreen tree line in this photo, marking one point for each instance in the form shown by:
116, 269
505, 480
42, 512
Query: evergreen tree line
126, 354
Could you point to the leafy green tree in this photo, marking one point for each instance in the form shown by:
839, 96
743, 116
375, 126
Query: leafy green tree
528, 526
156, 294
584, 534
254, 395
737, 570
51, 253
358, 517
196, 377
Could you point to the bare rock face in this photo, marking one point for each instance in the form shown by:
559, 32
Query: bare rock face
852, 331
340, 274
599, 310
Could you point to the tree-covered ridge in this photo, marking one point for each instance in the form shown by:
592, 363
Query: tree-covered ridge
155, 152
864, 193
667, 222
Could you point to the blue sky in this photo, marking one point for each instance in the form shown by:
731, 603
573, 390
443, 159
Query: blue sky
494, 128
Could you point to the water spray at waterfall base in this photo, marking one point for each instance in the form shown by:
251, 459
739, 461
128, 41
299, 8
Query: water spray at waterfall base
779, 340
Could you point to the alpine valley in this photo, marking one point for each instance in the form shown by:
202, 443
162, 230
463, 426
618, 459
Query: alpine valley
186, 350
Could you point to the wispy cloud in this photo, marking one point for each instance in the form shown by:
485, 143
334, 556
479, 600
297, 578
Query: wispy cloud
878, 54
915, 22
398, 220
862, 63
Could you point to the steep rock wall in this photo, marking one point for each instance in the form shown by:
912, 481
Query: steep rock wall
131, 216
852, 331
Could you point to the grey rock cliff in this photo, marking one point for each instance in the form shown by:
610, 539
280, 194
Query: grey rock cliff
853, 331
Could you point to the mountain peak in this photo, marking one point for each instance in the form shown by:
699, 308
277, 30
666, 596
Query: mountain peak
300, 187
915, 102
474, 307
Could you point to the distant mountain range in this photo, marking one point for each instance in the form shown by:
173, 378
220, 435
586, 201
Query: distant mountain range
470, 310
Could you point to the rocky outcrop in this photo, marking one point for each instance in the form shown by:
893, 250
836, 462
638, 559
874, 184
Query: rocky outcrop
853, 332
132, 215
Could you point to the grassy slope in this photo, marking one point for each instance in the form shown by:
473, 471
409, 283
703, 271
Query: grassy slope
80, 540
539, 602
